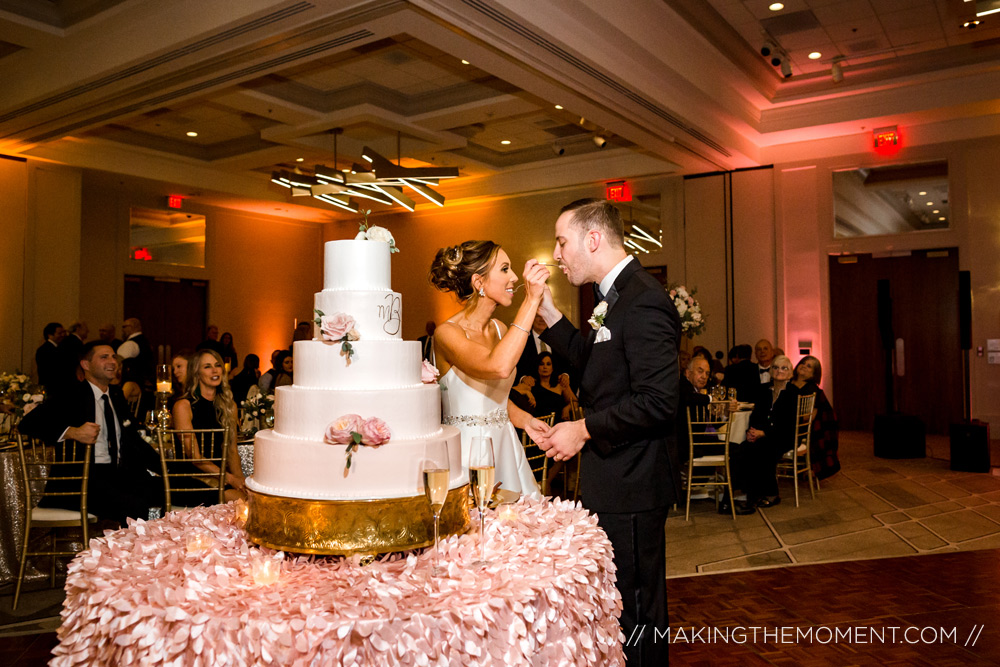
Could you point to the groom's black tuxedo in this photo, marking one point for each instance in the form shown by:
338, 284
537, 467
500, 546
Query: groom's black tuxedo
114, 492
629, 389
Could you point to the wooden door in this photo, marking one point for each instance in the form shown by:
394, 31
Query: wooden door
924, 290
172, 311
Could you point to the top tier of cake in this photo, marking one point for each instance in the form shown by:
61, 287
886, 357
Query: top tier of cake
356, 265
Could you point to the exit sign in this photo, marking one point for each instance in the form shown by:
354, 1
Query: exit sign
175, 201
886, 136
619, 191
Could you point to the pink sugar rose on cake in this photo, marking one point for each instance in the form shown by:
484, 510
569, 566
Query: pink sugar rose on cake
428, 372
341, 430
374, 432
336, 326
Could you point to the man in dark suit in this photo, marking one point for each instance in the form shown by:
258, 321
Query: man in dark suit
427, 341
120, 485
51, 359
741, 374
629, 391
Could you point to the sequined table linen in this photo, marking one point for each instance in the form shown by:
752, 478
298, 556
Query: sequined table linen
143, 596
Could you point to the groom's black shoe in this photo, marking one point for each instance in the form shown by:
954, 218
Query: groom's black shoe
768, 501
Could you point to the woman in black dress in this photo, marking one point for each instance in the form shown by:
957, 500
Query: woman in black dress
825, 433
208, 403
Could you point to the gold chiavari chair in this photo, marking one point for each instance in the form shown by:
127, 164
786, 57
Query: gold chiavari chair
705, 424
798, 461
179, 447
60, 471
537, 459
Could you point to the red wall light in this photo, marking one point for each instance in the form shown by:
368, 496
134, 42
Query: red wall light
142, 254
885, 137
618, 191
175, 201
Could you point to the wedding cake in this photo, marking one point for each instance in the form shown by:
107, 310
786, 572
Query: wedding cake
342, 470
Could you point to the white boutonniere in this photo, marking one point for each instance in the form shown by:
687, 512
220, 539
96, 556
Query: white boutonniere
597, 318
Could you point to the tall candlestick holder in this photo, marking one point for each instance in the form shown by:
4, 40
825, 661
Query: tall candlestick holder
164, 387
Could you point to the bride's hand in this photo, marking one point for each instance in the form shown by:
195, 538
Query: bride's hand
535, 275
537, 430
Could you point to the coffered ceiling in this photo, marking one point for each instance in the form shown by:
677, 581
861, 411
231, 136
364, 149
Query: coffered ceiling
646, 87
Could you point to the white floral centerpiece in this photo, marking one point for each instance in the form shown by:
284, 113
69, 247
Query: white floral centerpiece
257, 410
18, 395
368, 232
692, 321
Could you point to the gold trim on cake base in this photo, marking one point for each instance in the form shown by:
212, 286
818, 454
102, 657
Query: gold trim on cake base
344, 527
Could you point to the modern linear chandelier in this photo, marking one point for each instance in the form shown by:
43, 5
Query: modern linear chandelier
383, 182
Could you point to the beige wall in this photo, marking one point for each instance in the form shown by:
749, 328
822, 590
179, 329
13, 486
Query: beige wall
14, 207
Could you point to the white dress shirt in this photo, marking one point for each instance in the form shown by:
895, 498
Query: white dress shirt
101, 454
129, 348
609, 280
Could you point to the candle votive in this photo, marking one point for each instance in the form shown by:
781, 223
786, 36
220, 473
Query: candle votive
199, 541
507, 512
242, 511
265, 571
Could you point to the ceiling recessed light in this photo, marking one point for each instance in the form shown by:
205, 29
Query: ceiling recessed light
971, 24
300, 159
505, 142
930, 203
922, 193
942, 218
935, 211
815, 55
192, 134
465, 62
775, 6
559, 106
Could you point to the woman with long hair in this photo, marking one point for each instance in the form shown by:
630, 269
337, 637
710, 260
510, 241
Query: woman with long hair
477, 355
825, 433
208, 403
284, 367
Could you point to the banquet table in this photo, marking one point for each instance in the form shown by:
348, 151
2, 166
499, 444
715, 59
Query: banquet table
142, 595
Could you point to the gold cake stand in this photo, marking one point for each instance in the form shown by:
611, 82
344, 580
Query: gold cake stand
345, 527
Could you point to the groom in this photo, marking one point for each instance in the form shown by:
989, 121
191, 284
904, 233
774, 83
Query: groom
629, 390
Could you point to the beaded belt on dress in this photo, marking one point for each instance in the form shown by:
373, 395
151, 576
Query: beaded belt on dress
497, 417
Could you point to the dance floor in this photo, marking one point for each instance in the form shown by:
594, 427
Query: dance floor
888, 546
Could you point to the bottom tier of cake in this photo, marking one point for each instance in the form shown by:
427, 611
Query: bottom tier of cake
345, 527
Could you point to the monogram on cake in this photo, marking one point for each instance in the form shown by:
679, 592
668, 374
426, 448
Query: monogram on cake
303, 496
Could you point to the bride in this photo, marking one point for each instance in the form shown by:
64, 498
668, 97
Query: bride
477, 355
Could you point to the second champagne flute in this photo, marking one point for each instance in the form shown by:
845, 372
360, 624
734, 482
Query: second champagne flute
481, 473
436, 472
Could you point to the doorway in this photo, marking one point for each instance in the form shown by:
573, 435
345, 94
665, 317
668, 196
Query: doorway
923, 314
172, 312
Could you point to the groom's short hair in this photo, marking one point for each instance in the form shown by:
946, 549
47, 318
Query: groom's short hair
597, 214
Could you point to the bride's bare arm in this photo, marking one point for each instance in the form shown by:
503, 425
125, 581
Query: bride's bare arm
482, 362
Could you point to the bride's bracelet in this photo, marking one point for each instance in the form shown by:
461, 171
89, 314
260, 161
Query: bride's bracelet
518, 326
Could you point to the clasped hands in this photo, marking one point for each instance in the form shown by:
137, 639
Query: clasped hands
560, 442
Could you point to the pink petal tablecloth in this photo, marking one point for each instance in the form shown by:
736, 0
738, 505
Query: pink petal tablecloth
138, 597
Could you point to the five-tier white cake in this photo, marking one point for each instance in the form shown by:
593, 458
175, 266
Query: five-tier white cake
377, 504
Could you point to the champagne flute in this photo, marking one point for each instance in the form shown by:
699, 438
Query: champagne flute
436, 473
481, 473
151, 421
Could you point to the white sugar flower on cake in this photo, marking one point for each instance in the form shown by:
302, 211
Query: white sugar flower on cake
375, 233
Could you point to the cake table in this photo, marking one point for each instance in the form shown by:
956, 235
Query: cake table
182, 591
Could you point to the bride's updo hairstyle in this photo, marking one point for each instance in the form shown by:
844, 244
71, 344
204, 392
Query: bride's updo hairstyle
453, 267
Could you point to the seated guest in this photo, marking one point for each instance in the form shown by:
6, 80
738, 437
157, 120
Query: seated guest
303, 331
229, 355
771, 434
180, 366
694, 382
208, 403
246, 378
106, 333
211, 341
741, 374
283, 376
824, 437
765, 354
700, 351
91, 412
522, 394
551, 394
138, 398
266, 383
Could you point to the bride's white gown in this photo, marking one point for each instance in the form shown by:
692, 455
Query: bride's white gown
479, 407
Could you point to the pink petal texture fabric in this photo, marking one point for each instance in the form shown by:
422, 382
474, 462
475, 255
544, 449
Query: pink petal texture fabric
139, 596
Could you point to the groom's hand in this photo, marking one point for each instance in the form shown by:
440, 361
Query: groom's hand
565, 440
547, 308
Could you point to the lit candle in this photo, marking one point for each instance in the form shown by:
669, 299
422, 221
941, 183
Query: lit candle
228, 366
507, 513
163, 387
242, 511
265, 571
198, 541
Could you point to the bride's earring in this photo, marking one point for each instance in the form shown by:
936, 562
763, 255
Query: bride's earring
482, 292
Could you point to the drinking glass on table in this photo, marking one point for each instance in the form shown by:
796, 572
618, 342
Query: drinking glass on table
436, 471
482, 470
150, 422
732, 393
